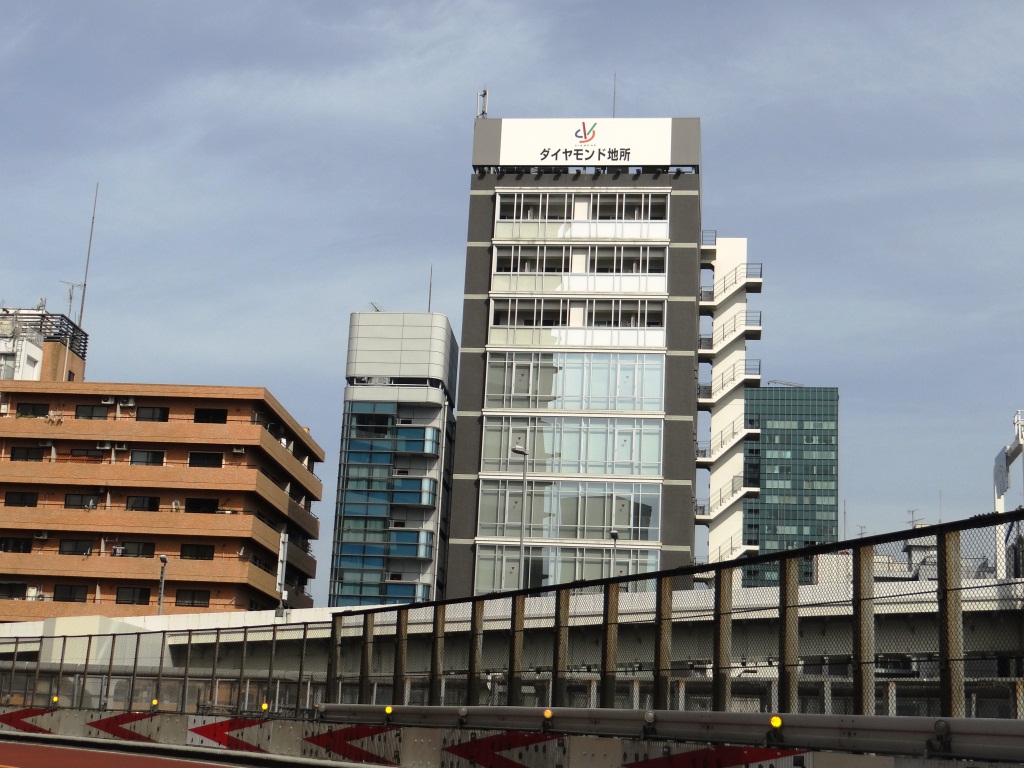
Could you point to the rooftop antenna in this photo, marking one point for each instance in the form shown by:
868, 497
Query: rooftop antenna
861, 530
376, 308
911, 519
71, 294
430, 288
481, 103
88, 254
614, 78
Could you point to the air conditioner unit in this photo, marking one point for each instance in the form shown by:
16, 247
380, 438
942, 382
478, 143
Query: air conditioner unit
40, 535
33, 593
103, 446
238, 450
121, 447
117, 551
3, 408
108, 400
127, 402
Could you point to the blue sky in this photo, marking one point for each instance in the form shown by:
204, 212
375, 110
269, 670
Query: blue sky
267, 168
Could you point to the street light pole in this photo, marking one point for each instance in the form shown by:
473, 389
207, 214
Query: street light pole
163, 580
520, 450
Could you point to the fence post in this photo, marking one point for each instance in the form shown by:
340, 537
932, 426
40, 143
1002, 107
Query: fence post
863, 610
334, 659
663, 643
214, 687
183, 699
241, 670
610, 645
85, 673
476, 650
789, 637
401, 656
135, 672
560, 652
515, 652
437, 655
721, 669
366, 660
951, 627
160, 668
270, 671
302, 666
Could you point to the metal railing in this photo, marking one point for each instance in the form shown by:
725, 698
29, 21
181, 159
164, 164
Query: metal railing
923, 622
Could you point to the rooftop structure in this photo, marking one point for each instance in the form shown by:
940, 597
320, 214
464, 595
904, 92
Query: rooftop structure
36, 345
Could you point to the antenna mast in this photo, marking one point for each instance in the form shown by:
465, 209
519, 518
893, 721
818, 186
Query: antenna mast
88, 254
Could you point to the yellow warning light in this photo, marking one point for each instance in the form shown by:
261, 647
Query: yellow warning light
56, 699
264, 706
548, 714
155, 702
388, 710
776, 721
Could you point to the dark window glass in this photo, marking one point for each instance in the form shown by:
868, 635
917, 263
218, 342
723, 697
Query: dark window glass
87, 455
16, 544
13, 590
76, 546
143, 503
194, 598
151, 413
133, 595
33, 409
26, 453
211, 416
21, 499
197, 551
91, 411
197, 459
81, 501
149, 458
70, 593
136, 549
202, 505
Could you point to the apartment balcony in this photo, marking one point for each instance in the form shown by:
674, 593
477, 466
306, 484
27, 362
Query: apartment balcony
708, 246
742, 428
734, 490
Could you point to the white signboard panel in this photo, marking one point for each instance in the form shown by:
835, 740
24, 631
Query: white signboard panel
596, 141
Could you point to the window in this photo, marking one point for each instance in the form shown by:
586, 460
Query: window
26, 453
211, 416
13, 590
133, 595
202, 505
21, 499
197, 551
148, 458
198, 459
7, 366
138, 549
193, 598
151, 413
91, 411
81, 501
76, 546
37, 410
70, 593
143, 503
16, 544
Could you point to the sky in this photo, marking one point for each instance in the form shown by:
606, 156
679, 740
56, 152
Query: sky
267, 168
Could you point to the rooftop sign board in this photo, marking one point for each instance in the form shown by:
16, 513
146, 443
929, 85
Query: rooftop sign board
588, 141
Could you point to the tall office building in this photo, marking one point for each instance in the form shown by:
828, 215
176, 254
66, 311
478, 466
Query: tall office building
794, 462
132, 499
394, 480
578, 392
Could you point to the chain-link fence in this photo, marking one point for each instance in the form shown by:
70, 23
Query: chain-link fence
924, 622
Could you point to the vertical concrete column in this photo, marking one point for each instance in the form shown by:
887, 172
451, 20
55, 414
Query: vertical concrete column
663, 643
610, 645
721, 663
863, 617
401, 656
560, 648
366, 661
951, 627
334, 658
515, 651
789, 633
437, 655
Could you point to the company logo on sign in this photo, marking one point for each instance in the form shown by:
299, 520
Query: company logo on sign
584, 135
